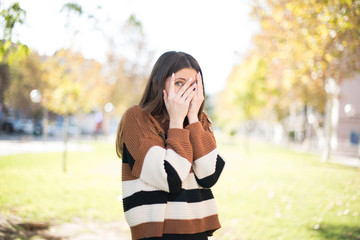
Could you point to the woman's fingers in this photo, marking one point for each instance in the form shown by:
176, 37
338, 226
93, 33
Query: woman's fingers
190, 97
177, 104
200, 84
172, 83
184, 88
189, 91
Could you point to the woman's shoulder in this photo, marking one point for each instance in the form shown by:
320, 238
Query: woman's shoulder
134, 112
137, 122
137, 115
135, 109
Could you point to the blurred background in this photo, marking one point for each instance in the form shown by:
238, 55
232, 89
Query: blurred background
282, 87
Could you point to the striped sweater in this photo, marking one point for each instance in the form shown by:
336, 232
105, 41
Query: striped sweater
167, 175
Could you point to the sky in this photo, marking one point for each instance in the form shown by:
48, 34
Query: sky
217, 33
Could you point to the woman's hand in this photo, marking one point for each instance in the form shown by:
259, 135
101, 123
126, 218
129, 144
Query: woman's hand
196, 101
177, 104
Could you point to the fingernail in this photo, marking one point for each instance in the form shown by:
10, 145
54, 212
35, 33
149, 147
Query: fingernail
196, 81
190, 80
173, 75
194, 89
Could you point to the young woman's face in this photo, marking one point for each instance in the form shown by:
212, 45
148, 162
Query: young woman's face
181, 77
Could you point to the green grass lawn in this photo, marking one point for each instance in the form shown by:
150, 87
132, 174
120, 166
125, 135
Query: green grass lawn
265, 192
35, 187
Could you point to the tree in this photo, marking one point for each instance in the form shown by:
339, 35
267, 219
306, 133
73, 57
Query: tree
245, 91
9, 52
12, 15
315, 46
126, 66
73, 85
127, 76
26, 75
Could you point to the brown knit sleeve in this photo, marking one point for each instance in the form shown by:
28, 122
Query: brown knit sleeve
208, 164
202, 136
161, 164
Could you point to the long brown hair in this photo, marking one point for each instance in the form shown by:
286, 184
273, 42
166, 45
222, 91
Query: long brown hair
152, 100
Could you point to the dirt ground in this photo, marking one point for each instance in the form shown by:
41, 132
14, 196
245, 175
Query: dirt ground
13, 228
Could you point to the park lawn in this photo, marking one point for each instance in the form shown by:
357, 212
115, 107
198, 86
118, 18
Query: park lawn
34, 186
265, 192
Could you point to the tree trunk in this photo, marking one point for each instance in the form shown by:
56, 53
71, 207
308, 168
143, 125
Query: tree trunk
66, 137
331, 121
327, 146
45, 124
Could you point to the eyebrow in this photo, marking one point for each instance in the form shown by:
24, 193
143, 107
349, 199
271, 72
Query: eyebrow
181, 79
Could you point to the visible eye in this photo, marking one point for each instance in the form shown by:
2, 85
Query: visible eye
179, 83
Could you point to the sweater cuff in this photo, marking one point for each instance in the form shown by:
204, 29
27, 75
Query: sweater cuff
179, 141
202, 141
195, 128
182, 135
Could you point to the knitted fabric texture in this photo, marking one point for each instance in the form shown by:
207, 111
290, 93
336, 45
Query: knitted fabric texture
167, 176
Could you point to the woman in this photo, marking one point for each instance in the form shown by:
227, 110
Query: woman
169, 155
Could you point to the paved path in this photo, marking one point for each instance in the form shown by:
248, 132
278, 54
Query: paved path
345, 157
16, 147
351, 161
91, 230
78, 229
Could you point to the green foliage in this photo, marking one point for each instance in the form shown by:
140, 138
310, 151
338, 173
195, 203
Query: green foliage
19, 52
304, 43
10, 55
72, 7
252, 88
14, 14
135, 22
245, 94
10, 52
70, 79
308, 42
26, 75
124, 78
79, 11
